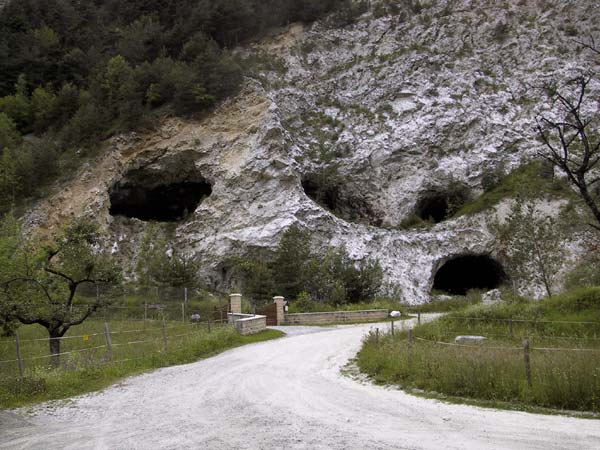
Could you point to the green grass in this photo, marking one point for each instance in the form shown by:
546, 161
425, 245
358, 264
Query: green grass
527, 180
494, 372
90, 370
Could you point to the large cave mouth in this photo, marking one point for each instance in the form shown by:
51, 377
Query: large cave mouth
162, 203
460, 274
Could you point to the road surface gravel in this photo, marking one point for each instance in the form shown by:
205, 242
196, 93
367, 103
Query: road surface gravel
282, 394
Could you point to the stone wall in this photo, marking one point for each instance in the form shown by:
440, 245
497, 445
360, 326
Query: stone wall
248, 323
324, 318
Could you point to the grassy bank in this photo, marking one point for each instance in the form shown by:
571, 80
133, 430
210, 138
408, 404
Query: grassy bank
564, 337
85, 367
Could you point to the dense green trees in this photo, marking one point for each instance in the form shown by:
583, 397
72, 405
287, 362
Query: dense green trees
161, 265
295, 271
74, 72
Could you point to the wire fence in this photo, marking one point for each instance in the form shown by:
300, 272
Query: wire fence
18, 356
504, 341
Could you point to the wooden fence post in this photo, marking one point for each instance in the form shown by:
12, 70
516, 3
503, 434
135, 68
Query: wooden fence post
164, 333
527, 360
208, 325
183, 312
418, 318
19, 356
410, 342
108, 341
377, 335
392, 327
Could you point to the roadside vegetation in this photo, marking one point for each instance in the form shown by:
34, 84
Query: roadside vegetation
564, 351
311, 280
86, 364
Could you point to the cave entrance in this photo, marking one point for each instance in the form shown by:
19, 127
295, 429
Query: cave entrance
463, 273
162, 203
322, 193
434, 207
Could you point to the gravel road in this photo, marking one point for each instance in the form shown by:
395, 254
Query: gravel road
283, 394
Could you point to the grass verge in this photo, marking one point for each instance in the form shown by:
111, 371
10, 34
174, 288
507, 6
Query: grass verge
494, 372
88, 371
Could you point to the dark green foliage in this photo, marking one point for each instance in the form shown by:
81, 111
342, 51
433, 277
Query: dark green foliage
81, 71
161, 265
295, 271
586, 273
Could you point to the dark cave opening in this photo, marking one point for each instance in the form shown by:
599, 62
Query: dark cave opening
463, 273
322, 193
341, 199
433, 207
163, 203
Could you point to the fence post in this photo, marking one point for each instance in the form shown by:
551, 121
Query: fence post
392, 327
19, 356
208, 324
418, 318
527, 360
145, 310
164, 333
410, 342
377, 335
108, 341
183, 312
185, 296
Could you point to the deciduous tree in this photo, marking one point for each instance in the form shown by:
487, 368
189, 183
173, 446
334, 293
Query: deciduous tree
40, 281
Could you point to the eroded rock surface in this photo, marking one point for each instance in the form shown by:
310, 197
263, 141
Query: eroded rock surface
388, 109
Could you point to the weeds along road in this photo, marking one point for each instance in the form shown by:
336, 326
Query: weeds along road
283, 394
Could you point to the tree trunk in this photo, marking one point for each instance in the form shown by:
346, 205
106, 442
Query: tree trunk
54, 347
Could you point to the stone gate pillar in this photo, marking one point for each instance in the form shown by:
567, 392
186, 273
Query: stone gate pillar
235, 303
280, 302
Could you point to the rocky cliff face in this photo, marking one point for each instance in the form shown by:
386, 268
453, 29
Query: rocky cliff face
381, 117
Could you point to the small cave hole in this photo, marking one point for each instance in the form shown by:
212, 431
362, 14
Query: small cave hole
434, 208
162, 203
322, 193
460, 274
342, 199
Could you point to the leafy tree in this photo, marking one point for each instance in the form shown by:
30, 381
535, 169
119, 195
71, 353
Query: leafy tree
43, 104
531, 243
40, 281
9, 135
257, 278
9, 180
142, 40
289, 264
18, 106
161, 265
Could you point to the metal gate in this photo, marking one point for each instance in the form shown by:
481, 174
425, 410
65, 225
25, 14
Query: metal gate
271, 312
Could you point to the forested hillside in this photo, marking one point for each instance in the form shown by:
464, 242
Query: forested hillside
73, 72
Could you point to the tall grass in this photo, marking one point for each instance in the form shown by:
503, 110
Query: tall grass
89, 368
495, 370
563, 380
